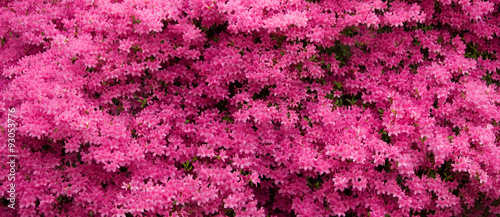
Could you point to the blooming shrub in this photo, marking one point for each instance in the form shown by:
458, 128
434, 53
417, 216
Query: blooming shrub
251, 108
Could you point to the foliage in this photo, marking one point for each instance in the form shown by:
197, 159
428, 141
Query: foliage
252, 108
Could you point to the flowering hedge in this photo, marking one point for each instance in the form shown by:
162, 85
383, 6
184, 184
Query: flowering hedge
251, 108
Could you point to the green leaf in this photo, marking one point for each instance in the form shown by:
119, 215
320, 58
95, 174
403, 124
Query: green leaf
338, 84
352, 102
313, 58
143, 102
135, 21
432, 174
440, 39
339, 102
187, 166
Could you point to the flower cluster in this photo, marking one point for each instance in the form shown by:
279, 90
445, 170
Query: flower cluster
252, 108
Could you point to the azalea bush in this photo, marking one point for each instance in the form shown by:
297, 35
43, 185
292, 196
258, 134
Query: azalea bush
251, 108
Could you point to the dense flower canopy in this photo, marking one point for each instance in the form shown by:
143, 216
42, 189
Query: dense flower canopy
251, 107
